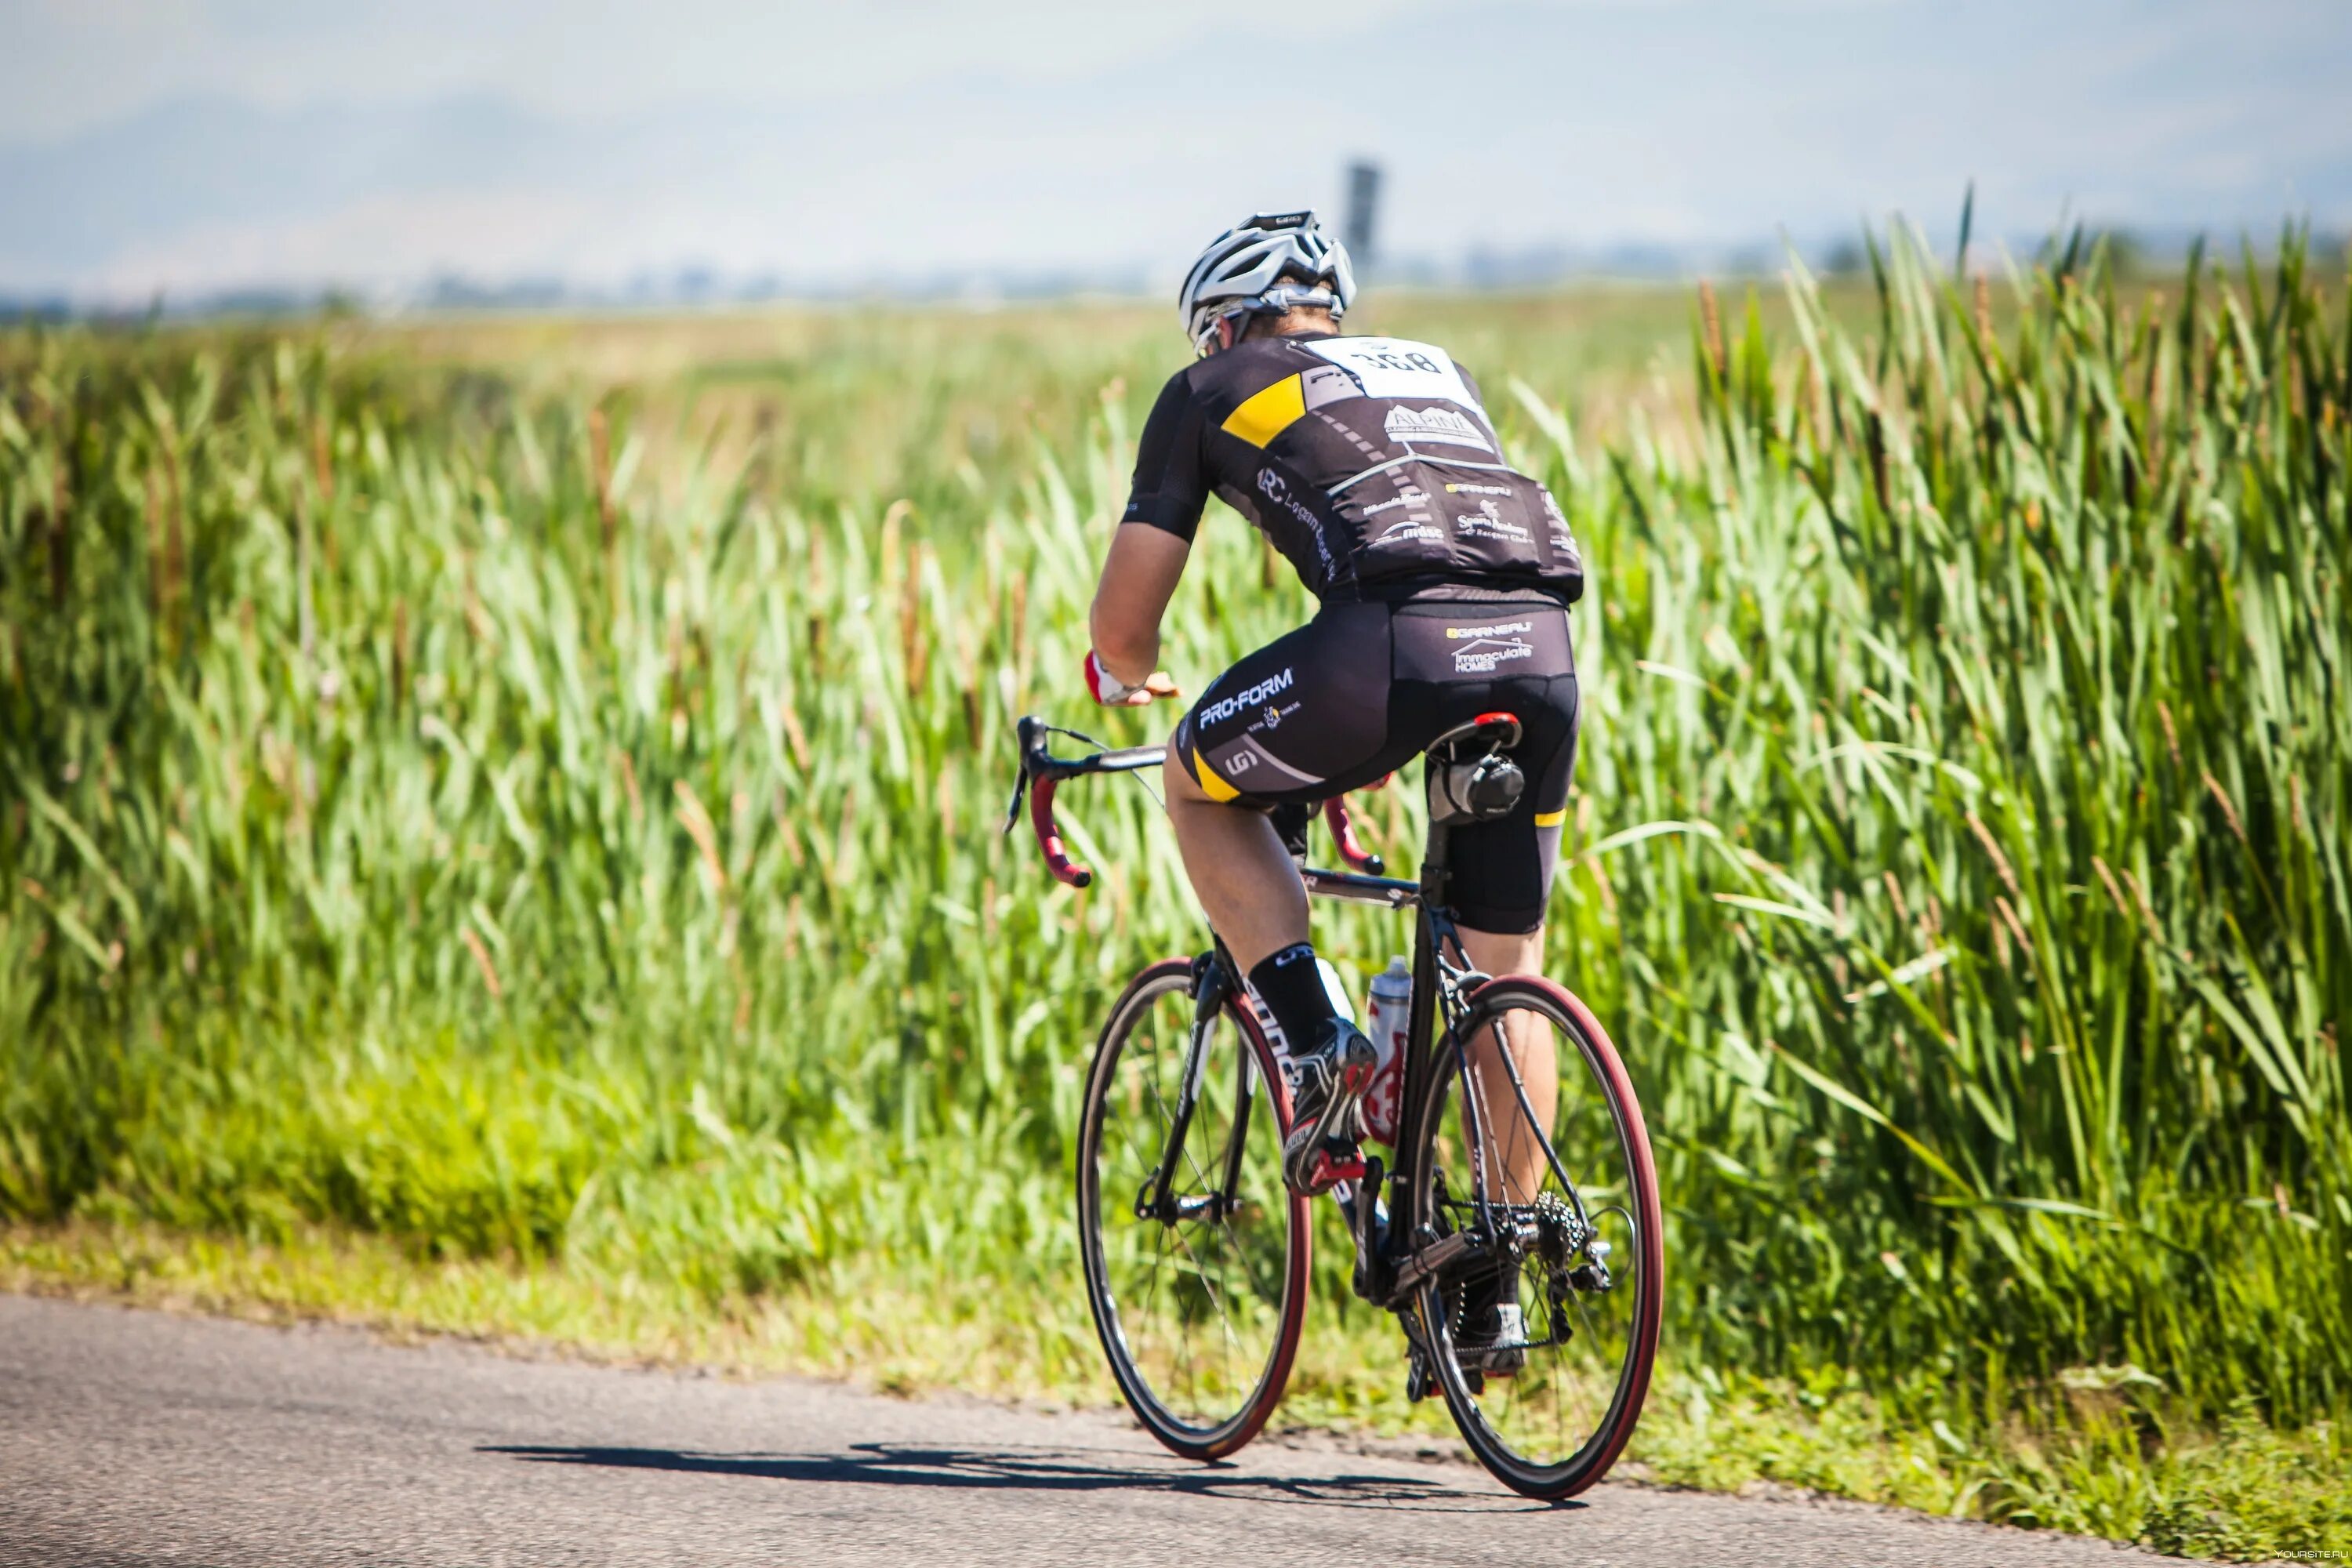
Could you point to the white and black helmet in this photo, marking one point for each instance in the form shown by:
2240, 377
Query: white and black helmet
1268, 264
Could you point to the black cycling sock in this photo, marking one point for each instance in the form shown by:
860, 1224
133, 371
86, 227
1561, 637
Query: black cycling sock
1290, 983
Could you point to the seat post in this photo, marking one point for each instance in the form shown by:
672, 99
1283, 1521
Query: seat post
1434, 854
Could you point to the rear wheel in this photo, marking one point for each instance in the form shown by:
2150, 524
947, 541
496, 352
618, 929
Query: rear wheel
1198, 1301
1568, 1235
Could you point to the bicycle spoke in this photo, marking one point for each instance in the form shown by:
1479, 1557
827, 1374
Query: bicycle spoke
1544, 1392
1197, 1290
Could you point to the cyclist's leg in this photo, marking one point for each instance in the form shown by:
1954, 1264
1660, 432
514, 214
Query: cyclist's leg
1292, 721
1531, 1044
1501, 872
1502, 878
1240, 871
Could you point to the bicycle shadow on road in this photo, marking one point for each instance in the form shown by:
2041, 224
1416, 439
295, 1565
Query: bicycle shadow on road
1044, 1470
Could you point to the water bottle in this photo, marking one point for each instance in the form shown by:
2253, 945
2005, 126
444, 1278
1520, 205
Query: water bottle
1389, 1021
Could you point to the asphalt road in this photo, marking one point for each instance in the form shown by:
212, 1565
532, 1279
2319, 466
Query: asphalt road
139, 1437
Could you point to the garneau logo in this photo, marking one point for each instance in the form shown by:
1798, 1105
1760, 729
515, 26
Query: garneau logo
1440, 424
1465, 634
1224, 708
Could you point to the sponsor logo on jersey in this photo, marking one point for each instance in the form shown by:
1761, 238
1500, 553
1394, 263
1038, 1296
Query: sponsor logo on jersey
1224, 708
1488, 522
1468, 490
1276, 489
1563, 540
1405, 500
1438, 425
1407, 530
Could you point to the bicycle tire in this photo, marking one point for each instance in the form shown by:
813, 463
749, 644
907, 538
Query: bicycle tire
1591, 1460
1193, 1437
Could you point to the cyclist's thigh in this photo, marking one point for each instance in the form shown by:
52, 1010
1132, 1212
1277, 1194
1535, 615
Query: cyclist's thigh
1297, 720
1455, 660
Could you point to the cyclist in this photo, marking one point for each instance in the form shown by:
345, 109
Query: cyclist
1443, 578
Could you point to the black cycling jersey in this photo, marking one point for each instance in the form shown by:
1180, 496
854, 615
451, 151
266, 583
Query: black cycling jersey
1368, 463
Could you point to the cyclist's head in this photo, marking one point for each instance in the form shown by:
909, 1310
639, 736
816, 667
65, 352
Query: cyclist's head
1273, 266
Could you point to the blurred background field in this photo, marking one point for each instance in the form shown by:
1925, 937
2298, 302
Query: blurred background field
500, 836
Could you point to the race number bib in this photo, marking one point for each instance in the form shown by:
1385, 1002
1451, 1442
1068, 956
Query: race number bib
1396, 367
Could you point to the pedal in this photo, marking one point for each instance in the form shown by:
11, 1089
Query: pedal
1337, 1160
1330, 1171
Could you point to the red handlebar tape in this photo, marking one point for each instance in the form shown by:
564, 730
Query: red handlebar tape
1343, 833
1049, 838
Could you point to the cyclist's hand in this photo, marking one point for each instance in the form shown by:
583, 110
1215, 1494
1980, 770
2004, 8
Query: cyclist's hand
1158, 684
1106, 688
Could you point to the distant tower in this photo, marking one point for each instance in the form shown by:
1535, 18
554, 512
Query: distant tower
1363, 210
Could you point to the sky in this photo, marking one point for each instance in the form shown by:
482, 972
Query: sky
186, 146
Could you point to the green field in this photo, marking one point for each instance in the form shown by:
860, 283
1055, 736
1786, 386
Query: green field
500, 835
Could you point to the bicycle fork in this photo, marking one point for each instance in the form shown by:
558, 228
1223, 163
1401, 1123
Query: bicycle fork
1211, 991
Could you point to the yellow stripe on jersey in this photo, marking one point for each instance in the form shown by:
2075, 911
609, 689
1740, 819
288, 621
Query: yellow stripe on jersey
1213, 787
1269, 414
1551, 818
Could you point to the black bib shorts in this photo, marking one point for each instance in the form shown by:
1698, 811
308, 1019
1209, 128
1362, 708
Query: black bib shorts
1365, 687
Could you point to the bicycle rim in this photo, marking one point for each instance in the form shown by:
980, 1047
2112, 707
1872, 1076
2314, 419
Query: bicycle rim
1587, 1336
1199, 1316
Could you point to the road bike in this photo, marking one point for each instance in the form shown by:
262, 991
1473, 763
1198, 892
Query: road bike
1197, 1256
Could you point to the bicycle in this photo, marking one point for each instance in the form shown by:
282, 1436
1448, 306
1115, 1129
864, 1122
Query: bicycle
1212, 1247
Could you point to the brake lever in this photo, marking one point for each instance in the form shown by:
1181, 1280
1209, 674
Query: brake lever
1020, 795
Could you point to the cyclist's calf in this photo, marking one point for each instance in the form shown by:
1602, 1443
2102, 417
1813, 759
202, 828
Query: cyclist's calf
1242, 874
1501, 953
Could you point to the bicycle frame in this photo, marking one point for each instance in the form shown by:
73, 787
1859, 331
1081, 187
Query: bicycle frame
1399, 1259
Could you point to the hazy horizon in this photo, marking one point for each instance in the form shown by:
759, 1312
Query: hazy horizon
192, 146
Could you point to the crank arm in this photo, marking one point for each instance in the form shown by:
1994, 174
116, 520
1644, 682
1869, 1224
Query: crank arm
1446, 1251
1435, 1259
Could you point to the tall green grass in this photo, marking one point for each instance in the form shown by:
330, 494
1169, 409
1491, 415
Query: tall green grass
422, 817
1999, 685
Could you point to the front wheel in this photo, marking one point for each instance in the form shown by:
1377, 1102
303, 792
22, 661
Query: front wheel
1543, 1328
1198, 1288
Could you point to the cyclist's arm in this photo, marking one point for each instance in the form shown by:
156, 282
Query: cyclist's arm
1154, 538
1139, 578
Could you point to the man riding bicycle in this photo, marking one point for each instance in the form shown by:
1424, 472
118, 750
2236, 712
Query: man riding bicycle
1444, 577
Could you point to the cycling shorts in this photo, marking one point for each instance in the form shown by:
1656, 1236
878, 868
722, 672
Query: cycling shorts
1364, 688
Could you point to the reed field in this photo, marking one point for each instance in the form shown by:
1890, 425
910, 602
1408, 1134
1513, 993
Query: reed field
515, 850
